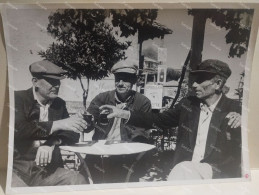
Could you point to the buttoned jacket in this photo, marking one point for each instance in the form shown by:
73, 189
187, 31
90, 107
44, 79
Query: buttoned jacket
223, 145
128, 132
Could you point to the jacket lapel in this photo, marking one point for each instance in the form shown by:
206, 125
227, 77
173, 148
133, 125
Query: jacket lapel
214, 128
55, 111
193, 120
33, 110
52, 112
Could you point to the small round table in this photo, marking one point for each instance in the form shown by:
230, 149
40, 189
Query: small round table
107, 148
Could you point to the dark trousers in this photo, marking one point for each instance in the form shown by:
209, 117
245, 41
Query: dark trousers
51, 175
119, 169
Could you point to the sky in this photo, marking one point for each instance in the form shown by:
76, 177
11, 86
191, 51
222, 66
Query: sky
26, 36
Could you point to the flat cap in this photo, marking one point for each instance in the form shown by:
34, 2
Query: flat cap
215, 67
126, 66
47, 69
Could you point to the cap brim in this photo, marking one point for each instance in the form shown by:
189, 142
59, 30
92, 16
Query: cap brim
125, 70
202, 71
54, 77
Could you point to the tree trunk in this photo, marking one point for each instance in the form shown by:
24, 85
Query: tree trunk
181, 79
198, 31
141, 60
85, 91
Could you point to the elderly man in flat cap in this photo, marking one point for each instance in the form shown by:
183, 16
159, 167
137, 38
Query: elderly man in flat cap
209, 134
123, 97
41, 124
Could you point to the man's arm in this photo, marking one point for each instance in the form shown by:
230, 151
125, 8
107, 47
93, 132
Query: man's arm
167, 119
170, 118
33, 129
146, 106
61, 136
74, 123
94, 106
65, 112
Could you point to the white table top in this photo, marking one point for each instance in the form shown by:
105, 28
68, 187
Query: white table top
102, 148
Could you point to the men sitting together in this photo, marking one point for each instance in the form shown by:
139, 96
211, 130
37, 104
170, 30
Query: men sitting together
208, 143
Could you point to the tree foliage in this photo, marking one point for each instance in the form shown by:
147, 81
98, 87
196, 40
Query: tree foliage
85, 43
131, 21
238, 24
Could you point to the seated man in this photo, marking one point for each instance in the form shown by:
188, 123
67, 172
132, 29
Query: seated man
122, 97
41, 124
125, 98
206, 145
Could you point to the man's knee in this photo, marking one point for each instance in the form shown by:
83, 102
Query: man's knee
17, 181
79, 179
74, 178
63, 177
190, 170
182, 166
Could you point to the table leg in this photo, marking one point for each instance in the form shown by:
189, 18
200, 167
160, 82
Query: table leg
85, 167
140, 155
102, 168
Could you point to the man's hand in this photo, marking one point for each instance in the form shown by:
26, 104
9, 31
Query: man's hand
234, 119
73, 123
44, 155
116, 112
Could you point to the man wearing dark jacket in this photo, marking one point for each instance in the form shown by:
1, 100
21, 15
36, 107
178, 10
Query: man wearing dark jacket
123, 97
41, 124
206, 146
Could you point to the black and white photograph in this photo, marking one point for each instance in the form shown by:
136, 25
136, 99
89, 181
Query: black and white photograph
111, 98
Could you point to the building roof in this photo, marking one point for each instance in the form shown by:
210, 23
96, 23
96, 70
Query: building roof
150, 60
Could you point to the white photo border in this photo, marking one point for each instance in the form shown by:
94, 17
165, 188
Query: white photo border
245, 108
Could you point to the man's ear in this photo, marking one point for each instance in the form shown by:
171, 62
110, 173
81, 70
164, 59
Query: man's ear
219, 83
34, 81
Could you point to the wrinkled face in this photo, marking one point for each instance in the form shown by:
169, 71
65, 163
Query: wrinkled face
47, 87
205, 85
124, 82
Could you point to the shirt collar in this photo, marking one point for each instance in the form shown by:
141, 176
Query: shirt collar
213, 106
118, 101
37, 99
